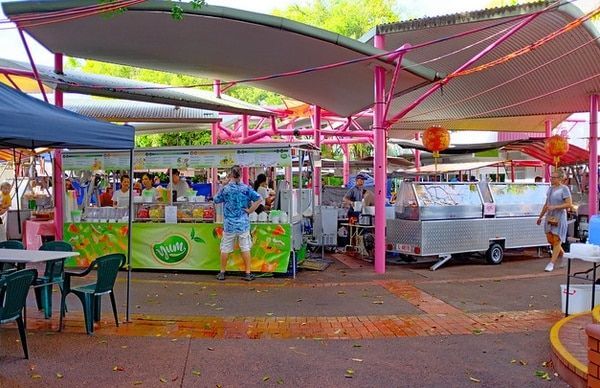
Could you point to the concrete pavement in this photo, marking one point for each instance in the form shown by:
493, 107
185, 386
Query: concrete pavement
465, 324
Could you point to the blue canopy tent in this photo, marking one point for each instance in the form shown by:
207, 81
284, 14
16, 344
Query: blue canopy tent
26, 122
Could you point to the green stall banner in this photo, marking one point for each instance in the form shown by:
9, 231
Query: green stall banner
94, 239
196, 247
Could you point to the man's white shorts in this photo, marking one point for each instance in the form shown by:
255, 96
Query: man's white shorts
228, 241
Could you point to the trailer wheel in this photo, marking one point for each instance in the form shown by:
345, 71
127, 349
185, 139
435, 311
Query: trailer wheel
494, 254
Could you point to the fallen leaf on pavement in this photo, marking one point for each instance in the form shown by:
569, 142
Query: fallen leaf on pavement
266, 378
357, 359
378, 302
349, 373
477, 331
163, 380
118, 369
280, 381
523, 362
513, 361
35, 377
196, 373
357, 346
211, 349
473, 379
59, 376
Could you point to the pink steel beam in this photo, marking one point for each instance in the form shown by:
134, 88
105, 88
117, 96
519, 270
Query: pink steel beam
593, 180
12, 82
33, 67
214, 140
356, 140
346, 164
417, 152
548, 128
217, 88
59, 187
316, 183
24, 73
397, 69
379, 159
478, 56
245, 170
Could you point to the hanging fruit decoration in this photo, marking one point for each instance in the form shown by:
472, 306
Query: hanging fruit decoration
556, 146
436, 139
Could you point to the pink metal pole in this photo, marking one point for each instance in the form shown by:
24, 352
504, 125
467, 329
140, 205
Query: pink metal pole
346, 164
255, 137
245, 170
217, 88
358, 140
33, 67
593, 180
548, 124
58, 184
214, 171
316, 183
417, 152
379, 159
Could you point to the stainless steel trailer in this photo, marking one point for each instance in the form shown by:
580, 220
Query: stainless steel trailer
442, 219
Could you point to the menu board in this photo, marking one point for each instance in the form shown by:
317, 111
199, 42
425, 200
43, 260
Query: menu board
183, 159
96, 161
210, 158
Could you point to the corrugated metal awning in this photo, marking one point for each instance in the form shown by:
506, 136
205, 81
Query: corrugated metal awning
74, 81
225, 44
550, 82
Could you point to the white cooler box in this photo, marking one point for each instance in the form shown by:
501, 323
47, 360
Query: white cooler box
580, 297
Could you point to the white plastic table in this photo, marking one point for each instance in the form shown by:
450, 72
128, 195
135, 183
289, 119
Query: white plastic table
595, 260
22, 256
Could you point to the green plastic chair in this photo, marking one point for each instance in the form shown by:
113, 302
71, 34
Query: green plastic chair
13, 293
90, 294
53, 274
9, 244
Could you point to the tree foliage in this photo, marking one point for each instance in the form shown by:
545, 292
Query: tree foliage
351, 18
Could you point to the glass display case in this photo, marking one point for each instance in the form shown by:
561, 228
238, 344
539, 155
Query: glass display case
439, 201
518, 199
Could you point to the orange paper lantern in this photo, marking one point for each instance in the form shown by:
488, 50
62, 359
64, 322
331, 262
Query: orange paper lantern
436, 139
556, 146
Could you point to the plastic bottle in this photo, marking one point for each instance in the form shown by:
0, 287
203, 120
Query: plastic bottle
594, 230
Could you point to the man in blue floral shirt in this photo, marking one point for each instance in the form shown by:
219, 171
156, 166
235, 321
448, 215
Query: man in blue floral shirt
238, 201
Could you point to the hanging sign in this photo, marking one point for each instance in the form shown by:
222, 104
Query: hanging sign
96, 161
211, 158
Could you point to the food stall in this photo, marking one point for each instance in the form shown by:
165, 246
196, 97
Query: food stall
182, 231
443, 218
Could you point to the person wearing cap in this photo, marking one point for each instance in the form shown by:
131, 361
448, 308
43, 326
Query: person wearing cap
239, 200
178, 184
355, 193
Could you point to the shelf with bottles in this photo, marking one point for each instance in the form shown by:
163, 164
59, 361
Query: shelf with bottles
186, 212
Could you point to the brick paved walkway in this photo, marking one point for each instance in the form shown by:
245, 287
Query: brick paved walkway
437, 318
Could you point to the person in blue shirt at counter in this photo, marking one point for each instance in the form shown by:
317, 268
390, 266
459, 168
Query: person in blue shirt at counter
238, 201
355, 194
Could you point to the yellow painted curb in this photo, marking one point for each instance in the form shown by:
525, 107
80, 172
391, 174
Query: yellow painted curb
560, 348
